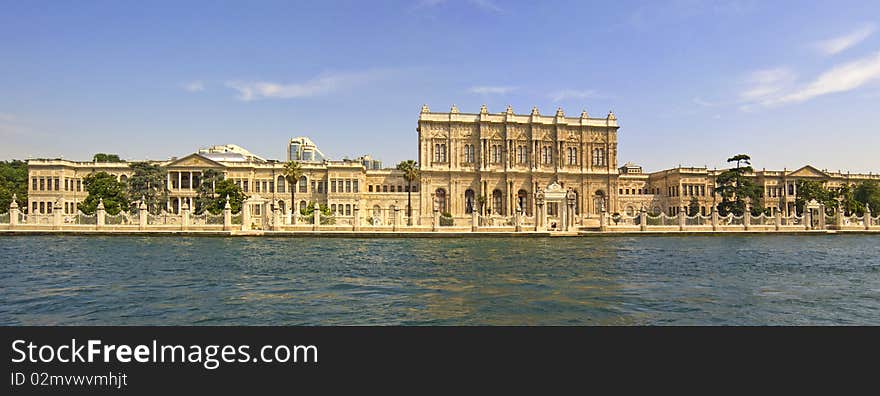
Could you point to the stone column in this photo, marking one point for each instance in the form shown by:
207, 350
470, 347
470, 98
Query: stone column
808, 218
867, 216
57, 215
747, 217
395, 218
643, 219
227, 215
435, 221
14, 213
839, 219
100, 214
778, 220
475, 220
143, 215
517, 220
277, 220
714, 218
822, 216
603, 220
317, 217
245, 215
184, 216
682, 220
356, 221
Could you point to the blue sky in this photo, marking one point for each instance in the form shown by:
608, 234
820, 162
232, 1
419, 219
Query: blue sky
691, 82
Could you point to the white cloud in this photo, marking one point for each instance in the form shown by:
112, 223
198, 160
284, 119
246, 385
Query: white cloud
565, 94
194, 86
764, 84
488, 90
842, 78
486, 5
839, 44
321, 85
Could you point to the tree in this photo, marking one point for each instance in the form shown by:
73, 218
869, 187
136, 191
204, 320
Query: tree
206, 194
148, 181
13, 181
735, 187
214, 200
309, 213
292, 172
694, 207
104, 186
102, 157
410, 171
808, 190
868, 193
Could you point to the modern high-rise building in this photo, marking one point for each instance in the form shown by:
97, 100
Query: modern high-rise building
303, 149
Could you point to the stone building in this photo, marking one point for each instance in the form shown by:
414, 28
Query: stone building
551, 167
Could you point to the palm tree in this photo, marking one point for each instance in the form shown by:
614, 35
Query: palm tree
410, 171
292, 172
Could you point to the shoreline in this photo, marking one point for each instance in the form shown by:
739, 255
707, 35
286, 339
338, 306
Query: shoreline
428, 234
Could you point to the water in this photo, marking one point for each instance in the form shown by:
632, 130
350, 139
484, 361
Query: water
712, 280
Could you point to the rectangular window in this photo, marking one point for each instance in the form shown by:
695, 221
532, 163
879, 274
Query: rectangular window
271, 186
42, 207
348, 185
42, 184
257, 186
369, 188
35, 184
354, 185
314, 186
244, 185
34, 210
384, 188
333, 185
57, 183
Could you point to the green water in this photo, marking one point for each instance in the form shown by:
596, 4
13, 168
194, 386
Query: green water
714, 280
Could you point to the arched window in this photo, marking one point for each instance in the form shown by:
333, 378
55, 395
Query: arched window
303, 184
469, 201
281, 206
497, 202
333, 208
469, 153
547, 155
521, 154
441, 200
522, 202
599, 201
599, 157
280, 184
302, 206
496, 153
572, 156
440, 152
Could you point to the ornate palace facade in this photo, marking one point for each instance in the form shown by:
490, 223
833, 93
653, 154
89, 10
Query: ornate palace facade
494, 164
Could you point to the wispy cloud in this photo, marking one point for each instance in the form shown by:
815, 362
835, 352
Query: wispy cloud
489, 90
565, 94
776, 87
764, 84
321, 85
193, 86
839, 44
486, 5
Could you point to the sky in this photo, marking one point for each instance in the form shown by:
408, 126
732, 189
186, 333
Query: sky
692, 82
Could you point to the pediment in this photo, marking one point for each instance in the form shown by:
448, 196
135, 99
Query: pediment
195, 161
808, 171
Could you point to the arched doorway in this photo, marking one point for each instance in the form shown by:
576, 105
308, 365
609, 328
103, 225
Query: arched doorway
599, 202
469, 201
497, 202
522, 202
440, 194
281, 206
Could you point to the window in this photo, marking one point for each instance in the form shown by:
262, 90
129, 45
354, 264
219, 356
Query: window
257, 186
572, 156
35, 208
599, 157
440, 152
271, 186
57, 183
522, 202
354, 185
280, 184
440, 194
245, 186
348, 209
469, 153
399, 188
384, 188
333, 185
370, 188
333, 208
496, 153
348, 185
469, 201
303, 184
546, 155
35, 184
521, 154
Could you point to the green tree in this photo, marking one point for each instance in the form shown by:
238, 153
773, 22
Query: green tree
410, 171
694, 207
148, 181
808, 190
206, 195
103, 157
735, 188
868, 193
309, 213
104, 186
292, 172
13, 181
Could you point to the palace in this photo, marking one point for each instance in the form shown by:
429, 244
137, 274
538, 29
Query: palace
561, 169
